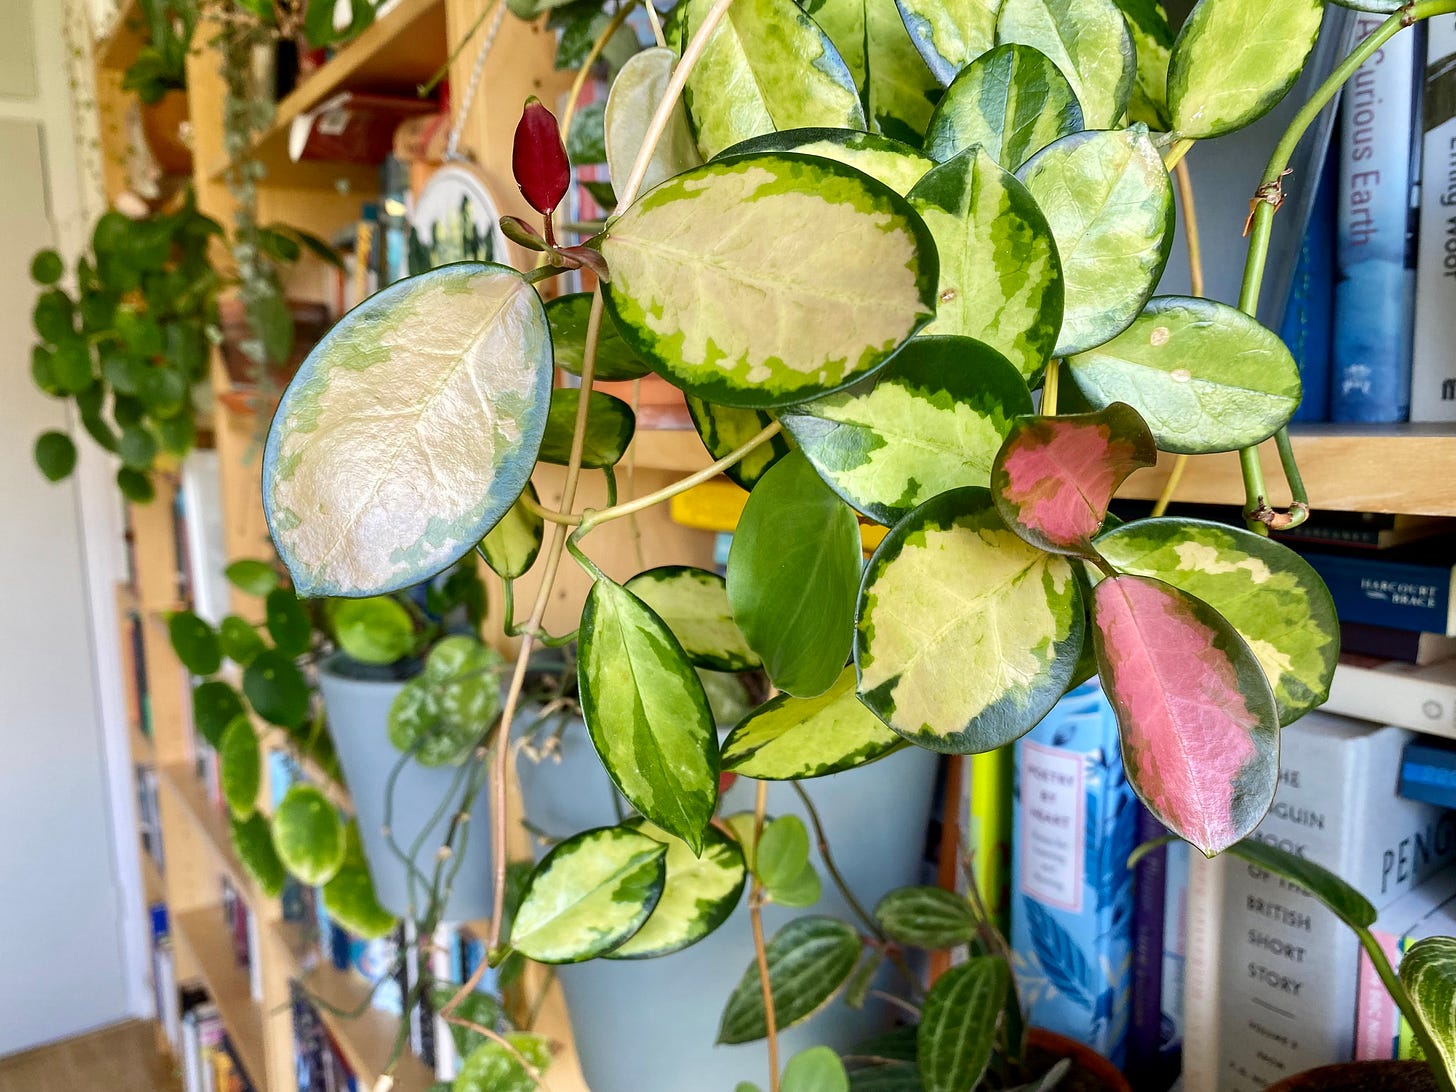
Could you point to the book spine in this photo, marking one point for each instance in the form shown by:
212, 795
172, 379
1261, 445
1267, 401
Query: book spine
988, 829
1175, 955
1203, 979
1403, 699
1395, 594
1433, 372
1144, 1032
1377, 1020
1396, 644
1308, 325
1375, 277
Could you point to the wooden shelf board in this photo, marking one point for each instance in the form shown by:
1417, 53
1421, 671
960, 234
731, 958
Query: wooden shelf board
143, 752
205, 934
669, 449
125, 38
211, 823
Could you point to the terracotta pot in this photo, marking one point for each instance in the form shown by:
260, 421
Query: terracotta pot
310, 322
164, 124
1091, 1072
1361, 1077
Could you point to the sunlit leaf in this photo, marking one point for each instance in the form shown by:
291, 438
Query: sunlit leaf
633, 100
308, 835
1088, 40
693, 603
512, 545
893, 162
950, 34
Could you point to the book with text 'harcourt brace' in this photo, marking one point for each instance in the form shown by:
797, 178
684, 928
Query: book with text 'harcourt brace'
1433, 364
1409, 587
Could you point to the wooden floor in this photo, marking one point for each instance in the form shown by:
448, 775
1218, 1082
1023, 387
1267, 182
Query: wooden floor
123, 1058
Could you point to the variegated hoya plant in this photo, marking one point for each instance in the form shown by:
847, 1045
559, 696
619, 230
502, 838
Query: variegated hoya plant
861, 236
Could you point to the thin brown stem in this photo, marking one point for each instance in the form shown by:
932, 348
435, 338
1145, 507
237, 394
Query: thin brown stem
505, 1044
760, 950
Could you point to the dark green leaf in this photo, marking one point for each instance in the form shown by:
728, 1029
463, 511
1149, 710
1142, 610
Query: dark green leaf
1351, 907
809, 960
253, 841
276, 689
240, 767
724, 429
609, 428
926, 917
55, 454
195, 643
958, 1024
239, 639
215, 705
568, 317
46, 267
135, 486
288, 623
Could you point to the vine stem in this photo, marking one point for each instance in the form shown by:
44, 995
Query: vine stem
1402, 999
568, 114
1184, 181
760, 951
1049, 387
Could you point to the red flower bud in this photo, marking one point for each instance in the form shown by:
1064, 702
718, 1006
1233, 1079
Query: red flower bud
539, 158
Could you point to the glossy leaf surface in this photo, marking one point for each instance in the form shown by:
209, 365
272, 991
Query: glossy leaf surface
724, 429
373, 631
809, 960
893, 162
569, 316
926, 917
958, 1024
511, 547
308, 835
1428, 972
610, 423
240, 767
1152, 38
350, 900
693, 603
252, 840
1088, 40
950, 34
276, 689
634, 98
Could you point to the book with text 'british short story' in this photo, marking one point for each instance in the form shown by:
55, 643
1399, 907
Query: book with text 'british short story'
1074, 825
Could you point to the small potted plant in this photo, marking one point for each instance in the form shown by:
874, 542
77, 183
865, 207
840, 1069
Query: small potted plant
158, 76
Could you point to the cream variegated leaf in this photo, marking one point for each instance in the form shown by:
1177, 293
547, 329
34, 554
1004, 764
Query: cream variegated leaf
1088, 40
635, 95
897, 165
693, 603
950, 34
1428, 973
724, 429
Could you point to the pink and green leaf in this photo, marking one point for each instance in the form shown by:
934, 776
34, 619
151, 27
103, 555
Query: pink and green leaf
1054, 476
1199, 727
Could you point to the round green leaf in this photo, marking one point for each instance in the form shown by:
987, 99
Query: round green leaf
409, 431
55, 454
1013, 102
240, 641
42, 370
769, 325
1235, 59
1428, 972
809, 960
803, 890
54, 316
589, 894
967, 635
195, 642
138, 448
254, 577
1109, 203
276, 689
817, 1069
767, 66
253, 842
308, 835
931, 420
350, 900
724, 429
1088, 40
610, 423
443, 714
926, 917
958, 1024
71, 367
783, 851
177, 434
512, 545
215, 705
647, 714
950, 34
240, 767
373, 631
1268, 593
135, 486
288, 622
1152, 38
568, 317
896, 164
697, 896
1203, 375
789, 738
694, 605
490, 1067
793, 570
46, 267
634, 98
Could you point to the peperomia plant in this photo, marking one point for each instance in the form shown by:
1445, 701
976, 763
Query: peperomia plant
877, 228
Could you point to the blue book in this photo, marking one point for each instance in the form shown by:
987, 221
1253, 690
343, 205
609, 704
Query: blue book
1074, 824
1428, 772
1402, 588
1308, 326
1375, 252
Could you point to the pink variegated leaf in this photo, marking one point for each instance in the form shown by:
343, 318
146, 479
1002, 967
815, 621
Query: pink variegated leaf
1199, 727
1054, 476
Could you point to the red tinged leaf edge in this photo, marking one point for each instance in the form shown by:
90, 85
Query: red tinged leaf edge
538, 158
1196, 715
1054, 476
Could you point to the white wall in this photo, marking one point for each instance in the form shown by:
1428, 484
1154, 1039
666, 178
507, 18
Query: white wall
71, 937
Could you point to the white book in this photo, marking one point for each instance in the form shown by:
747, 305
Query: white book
201, 497
442, 969
1433, 365
1419, 697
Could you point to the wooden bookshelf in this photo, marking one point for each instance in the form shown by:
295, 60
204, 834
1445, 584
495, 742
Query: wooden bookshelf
210, 824
204, 934
124, 38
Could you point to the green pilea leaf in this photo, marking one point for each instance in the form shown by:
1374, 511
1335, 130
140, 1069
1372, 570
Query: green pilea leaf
1344, 901
693, 603
958, 1024
698, 895
253, 842
349, 898
138, 448
1153, 41
1088, 40
647, 714
767, 66
817, 1069
589, 894
253, 577
724, 430
308, 835
809, 960
783, 851
1204, 375
967, 635
1109, 202
930, 420
1428, 972
950, 34
1013, 102
441, 715
1266, 591
276, 689
376, 630
853, 275
793, 570
288, 623
409, 431
1206, 765
240, 767
893, 162
610, 423
1235, 59
568, 316
490, 1067
1000, 273
55, 454
789, 738
1055, 476
926, 917
239, 640
215, 705
512, 545
195, 642
634, 98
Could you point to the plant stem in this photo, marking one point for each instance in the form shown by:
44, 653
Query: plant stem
568, 113
823, 842
656, 21
760, 951
424, 89
1195, 287
1049, 388
1402, 999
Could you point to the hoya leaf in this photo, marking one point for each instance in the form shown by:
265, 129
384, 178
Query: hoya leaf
809, 960
253, 577
568, 316
926, 917
693, 603
1013, 102
724, 429
1344, 901
1153, 41
767, 66
1088, 40
769, 325
817, 1069
1266, 591
1055, 476
511, 547
215, 705
1109, 202
1428, 972
793, 570
409, 431
967, 635
1235, 59
950, 34
930, 420
789, 738
958, 1024
376, 630
1204, 375
1000, 273
1199, 728
240, 767
634, 98
308, 835
195, 642
239, 639
589, 894
440, 716
698, 894
253, 842
276, 689
610, 423
647, 714
896, 164
490, 1067
350, 900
